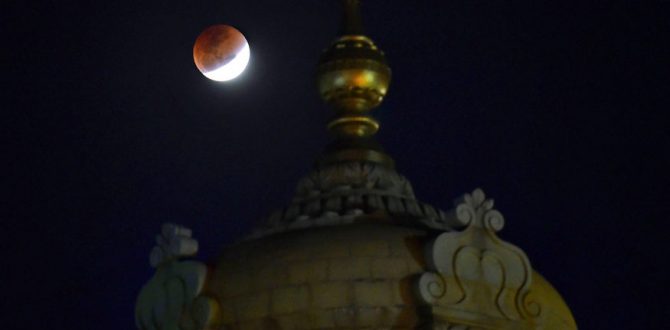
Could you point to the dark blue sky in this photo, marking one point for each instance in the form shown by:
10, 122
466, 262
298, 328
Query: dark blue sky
555, 109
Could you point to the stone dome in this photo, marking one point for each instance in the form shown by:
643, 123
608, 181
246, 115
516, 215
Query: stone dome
376, 270
387, 266
354, 248
353, 276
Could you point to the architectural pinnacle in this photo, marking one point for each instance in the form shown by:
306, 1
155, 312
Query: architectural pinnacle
352, 24
353, 78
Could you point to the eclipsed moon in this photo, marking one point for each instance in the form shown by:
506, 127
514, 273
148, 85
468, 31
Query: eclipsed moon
221, 52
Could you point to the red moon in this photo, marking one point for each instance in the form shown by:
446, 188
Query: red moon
219, 52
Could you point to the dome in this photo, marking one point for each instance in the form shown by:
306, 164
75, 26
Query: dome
356, 276
556, 315
357, 251
351, 276
354, 248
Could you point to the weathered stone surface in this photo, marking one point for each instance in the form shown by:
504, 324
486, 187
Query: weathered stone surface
253, 306
328, 286
233, 283
389, 268
290, 299
349, 268
373, 293
308, 271
332, 294
370, 248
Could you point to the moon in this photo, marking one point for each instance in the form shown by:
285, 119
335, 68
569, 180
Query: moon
221, 52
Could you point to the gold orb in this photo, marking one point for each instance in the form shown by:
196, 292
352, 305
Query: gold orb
353, 75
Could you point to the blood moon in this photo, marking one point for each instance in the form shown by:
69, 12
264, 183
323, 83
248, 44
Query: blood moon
221, 52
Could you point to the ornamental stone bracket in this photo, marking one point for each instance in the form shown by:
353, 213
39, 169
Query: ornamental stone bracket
474, 277
172, 299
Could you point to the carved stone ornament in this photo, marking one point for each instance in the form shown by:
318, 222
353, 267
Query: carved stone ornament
172, 299
339, 193
476, 278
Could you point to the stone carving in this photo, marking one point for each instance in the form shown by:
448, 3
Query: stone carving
172, 243
474, 270
171, 300
354, 175
338, 193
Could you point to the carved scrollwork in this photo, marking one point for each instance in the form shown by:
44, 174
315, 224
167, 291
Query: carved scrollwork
474, 209
431, 287
172, 299
480, 271
530, 305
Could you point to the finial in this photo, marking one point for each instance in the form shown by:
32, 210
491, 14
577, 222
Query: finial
352, 24
353, 77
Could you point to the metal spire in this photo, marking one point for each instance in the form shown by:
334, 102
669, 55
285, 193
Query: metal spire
353, 78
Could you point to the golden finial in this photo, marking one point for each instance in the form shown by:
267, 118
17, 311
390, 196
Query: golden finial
353, 77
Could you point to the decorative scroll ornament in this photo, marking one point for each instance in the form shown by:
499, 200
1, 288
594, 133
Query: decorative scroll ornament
172, 299
474, 272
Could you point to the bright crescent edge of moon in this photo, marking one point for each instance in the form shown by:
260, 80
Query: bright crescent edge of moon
233, 68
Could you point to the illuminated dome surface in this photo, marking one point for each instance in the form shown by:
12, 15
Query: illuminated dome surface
357, 276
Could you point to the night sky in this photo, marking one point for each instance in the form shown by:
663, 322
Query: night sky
555, 109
